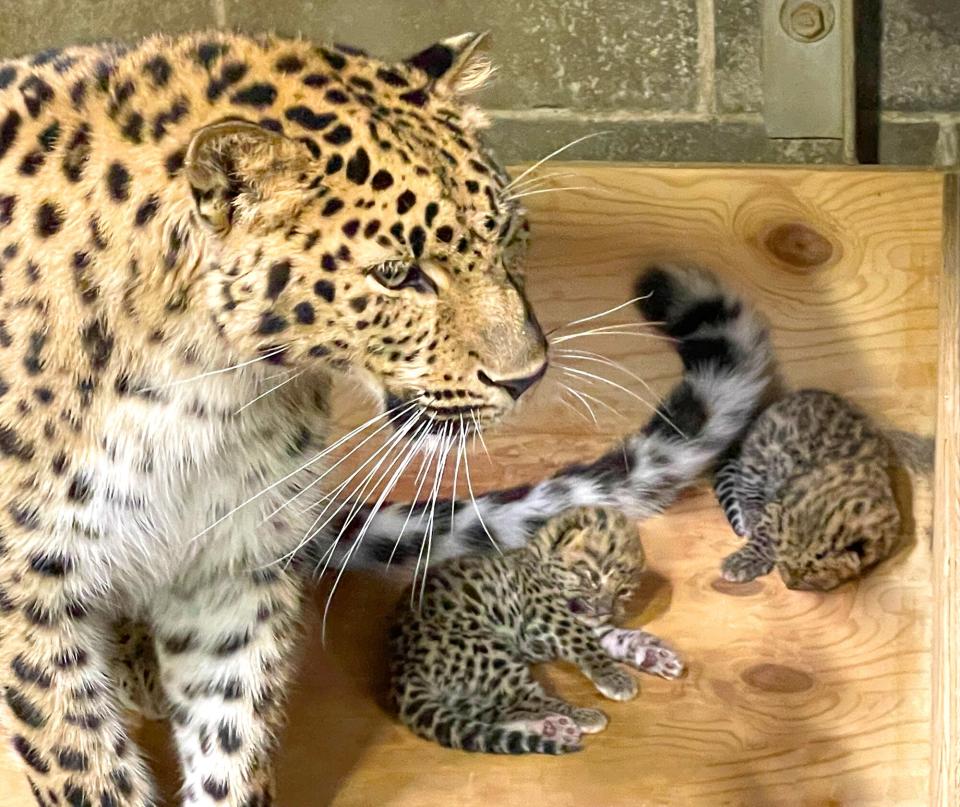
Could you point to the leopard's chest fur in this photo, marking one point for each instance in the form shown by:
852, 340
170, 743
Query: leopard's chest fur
184, 485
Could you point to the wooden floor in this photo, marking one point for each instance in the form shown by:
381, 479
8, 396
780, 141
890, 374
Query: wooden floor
792, 698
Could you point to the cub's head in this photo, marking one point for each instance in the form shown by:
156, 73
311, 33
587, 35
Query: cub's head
595, 556
364, 226
823, 542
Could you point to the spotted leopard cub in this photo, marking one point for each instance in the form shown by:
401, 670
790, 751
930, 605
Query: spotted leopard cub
815, 491
461, 659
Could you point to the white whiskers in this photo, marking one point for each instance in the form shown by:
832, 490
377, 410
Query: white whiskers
220, 371
446, 442
550, 156
473, 498
404, 456
600, 314
517, 196
272, 389
539, 178
622, 329
296, 471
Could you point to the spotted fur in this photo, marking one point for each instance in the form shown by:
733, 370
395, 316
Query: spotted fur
179, 221
461, 653
813, 489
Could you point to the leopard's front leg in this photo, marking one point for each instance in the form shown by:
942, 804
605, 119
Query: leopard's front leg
560, 635
59, 704
225, 648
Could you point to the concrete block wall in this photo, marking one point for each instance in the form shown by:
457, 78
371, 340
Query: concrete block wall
668, 80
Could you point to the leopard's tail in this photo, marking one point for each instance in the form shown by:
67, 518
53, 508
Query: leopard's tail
434, 719
728, 374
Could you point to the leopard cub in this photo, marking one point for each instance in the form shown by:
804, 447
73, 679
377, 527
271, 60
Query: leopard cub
815, 491
460, 667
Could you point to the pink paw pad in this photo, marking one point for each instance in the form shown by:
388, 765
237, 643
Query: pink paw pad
646, 652
563, 730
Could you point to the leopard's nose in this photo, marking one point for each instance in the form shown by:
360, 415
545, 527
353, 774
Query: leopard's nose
515, 387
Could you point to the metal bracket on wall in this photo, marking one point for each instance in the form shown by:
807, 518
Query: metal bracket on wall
808, 71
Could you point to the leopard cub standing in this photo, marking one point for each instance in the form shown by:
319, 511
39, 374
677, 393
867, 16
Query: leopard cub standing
460, 672
814, 490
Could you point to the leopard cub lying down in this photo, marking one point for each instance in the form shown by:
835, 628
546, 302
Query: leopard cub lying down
460, 664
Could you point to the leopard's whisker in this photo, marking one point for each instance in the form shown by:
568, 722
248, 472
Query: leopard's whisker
479, 433
272, 389
419, 481
219, 371
589, 355
326, 471
538, 191
550, 156
473, 498
303, 467
404, 456
598, 401
624, 329
377, 457
331, 498
380, 454
448, 444
427, 543
538, 178
640, 398
456, 473
279, 374
604, 313
359, 495
570, 406
415, 449
408, 453
426, 537
580, 397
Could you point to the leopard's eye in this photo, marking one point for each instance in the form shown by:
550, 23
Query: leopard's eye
392, 274
403, 275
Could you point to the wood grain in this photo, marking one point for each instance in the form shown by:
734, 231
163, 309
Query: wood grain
945, 781
793, 698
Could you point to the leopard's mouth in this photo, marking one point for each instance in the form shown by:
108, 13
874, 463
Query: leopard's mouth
438, 418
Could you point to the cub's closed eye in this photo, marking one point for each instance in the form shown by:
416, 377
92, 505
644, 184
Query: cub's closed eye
403, 275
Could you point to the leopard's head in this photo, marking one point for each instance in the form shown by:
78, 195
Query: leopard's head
823, 543
595, 556
369, 229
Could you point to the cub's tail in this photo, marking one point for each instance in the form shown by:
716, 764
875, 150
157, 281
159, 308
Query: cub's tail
914, 452
728, 374
912, 477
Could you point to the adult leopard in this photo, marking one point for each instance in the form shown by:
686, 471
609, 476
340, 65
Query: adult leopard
179, 218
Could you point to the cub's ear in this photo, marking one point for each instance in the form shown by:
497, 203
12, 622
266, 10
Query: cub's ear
457, 65
235, 158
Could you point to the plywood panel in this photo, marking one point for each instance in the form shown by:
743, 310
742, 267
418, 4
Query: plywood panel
792, 698
945, 790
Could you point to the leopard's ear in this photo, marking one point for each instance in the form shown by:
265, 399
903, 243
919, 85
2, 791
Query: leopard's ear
457, 65
232, 159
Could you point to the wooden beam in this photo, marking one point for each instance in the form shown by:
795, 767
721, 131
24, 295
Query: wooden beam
945, 773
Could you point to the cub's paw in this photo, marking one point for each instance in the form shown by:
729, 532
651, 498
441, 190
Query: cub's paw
591, 721
616, 685
558, 733
646, 652
744, 565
